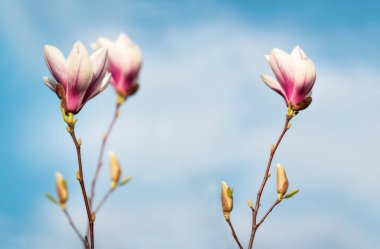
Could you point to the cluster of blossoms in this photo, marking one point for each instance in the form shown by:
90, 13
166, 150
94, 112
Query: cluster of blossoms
81, 77
75, 81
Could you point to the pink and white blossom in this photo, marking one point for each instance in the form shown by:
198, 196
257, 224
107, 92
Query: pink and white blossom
124, 63
295, 75
81, 76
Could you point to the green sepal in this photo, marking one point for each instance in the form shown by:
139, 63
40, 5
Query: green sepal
230, 191
125, 181
291, 194
64, 184
51, 198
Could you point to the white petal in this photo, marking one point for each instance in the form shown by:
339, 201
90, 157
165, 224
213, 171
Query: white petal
101, 42
80, 69
298, 53
304, 79
100, 87
275, 85
123, 40
56, 63
130, 58
51, 83
283, 67
99, 61
105, 82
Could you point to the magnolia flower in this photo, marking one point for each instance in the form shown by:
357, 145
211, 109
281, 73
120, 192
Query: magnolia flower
124, 63
295, 75
61, 189
282, 181
227, 200
115, 169
77, 79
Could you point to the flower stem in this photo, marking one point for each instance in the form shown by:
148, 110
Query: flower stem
101, 153
72, 224
255, 210
81, 182
109, 192
234, 234
269, 211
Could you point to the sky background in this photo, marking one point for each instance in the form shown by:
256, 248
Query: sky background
202, 115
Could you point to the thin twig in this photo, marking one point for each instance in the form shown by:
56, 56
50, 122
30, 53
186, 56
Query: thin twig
266, 176
269, 211
234, 234
81, 182
100, 158
104, 199
101, 153
72, 224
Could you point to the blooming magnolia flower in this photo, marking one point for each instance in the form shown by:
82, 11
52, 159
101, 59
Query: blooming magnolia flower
124, 63
295, 75
79, 78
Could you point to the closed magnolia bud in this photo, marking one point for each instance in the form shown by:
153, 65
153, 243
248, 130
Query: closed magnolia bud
115, 169
227, 200
61, 189
282, 182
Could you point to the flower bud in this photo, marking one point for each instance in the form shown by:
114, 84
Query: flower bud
282, 182
227, 200
61, 190
115, 169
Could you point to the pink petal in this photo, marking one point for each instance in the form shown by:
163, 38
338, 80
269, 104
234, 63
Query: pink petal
273, 84
304, 80
129, 54
99, 61
98, 87
283, 67
56, 63
80, 73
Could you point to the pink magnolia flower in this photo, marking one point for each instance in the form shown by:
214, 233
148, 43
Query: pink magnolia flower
124, 63
295, 75
79, 78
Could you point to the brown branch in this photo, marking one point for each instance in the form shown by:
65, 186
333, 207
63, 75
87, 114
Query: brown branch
234, 234
269, 211
104, 199
81, 182
72, 224
266, 176
101, 153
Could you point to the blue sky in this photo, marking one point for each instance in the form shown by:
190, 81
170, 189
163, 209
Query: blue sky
202, 116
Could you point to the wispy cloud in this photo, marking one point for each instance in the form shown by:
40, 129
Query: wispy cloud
203, 115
